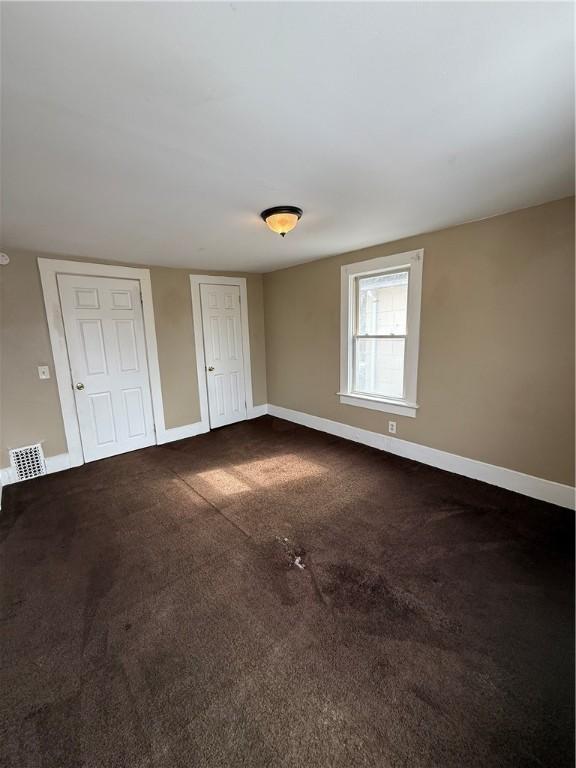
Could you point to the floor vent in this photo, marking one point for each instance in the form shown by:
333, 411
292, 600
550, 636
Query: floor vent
28, 462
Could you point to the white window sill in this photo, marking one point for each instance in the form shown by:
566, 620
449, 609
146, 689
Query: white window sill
399, 407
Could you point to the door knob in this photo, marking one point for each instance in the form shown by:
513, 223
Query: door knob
80, 385
211, 368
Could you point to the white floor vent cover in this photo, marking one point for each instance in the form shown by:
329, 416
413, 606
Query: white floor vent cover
28, 461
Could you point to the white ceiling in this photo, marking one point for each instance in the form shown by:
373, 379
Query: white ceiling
156, 132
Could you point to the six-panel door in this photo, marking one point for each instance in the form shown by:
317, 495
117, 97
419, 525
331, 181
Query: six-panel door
106, 345
222, 330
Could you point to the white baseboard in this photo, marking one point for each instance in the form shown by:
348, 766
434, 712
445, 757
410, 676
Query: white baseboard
7, 475
57, 463
200, 427
535, 487
62, 461
181, 433
257, 410
53, 464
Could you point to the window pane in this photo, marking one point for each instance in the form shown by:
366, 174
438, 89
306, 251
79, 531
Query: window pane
382, 304
379, 367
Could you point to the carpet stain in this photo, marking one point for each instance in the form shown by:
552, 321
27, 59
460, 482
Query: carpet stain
431, 626
288, 569
293, 554
362, 590
62, 718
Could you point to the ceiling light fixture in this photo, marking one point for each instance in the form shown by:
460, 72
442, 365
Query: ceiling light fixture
282, 218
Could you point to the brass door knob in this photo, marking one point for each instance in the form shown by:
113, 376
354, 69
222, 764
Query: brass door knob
211, 368
80, 385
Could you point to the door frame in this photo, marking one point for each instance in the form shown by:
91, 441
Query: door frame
49, 271
195, 282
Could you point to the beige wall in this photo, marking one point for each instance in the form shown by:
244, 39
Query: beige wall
496, 371
30, 408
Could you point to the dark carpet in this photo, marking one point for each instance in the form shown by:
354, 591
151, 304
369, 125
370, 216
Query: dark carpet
155, 612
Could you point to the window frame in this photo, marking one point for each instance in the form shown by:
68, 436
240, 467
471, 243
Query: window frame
413, 261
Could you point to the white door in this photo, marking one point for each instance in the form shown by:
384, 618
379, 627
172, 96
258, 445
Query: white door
222, 331
107, 350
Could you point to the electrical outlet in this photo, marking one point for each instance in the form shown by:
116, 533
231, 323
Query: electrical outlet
43, 372
392, 427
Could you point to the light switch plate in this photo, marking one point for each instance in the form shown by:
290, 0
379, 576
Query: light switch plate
43, 372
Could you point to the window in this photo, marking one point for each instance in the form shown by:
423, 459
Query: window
380, 330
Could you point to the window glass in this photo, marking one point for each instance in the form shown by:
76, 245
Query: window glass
382, 304
379, 367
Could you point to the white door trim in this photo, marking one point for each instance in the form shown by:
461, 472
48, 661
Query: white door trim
195, 281
49, 269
